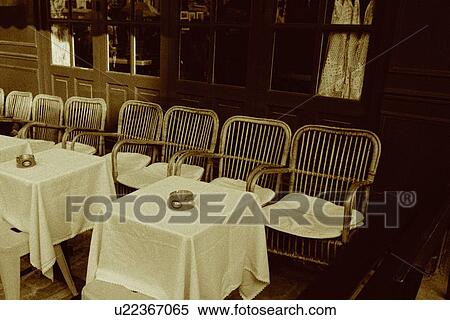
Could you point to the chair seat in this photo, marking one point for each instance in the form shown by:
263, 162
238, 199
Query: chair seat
11, 241
155, 172
100, 290
320, 219
40, 145
128, 161
79, 147
264, 194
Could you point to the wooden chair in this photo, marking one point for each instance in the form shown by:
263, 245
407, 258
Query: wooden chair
14, 245
18, 105
183, 129
138, 120
245, 143
47, 110
84, 114
17, 109
331, 170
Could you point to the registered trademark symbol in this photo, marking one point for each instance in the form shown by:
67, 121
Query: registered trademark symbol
407, 199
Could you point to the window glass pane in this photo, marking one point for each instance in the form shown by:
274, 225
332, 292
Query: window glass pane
82, 9
147, 50
194, 53
147, 10
195, 10
119, 9
60, 45
119, 48
231, 56
343, 66
293, 61
233, 10
297, 11
82, 38
59, 9
350, 12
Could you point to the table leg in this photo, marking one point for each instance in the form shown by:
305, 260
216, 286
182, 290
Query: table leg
10, 275
62, 263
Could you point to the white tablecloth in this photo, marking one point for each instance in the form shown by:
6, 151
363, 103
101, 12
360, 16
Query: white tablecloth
34, 199
11, 147
180, 261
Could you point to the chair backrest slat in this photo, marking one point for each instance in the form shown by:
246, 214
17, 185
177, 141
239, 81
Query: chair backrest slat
187, 128
50, 110
86, 113
327, 160
2, 101
248, 142
18, 105
140, 120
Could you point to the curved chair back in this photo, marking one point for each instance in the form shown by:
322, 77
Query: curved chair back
330, 159
248, 142
139, 120
50, 110
188, 128
18, 105
2, 101
86, 113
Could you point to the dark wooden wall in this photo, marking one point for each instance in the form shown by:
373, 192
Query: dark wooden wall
414, 117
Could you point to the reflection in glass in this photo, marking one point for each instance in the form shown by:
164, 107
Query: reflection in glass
293, 61
119, 9
297, 11
82, 41
349, 11
343, 68
147, 50
195, 10
194, 54
60, 38
233, 10
82, 9
231, 56
119, 48
59, 9
147, 10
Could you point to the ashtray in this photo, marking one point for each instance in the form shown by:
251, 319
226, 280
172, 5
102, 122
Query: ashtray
181, 200
25, 161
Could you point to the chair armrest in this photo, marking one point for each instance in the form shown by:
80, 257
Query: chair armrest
23, 132
349, 204
94, 134
121, 143
14, 120
261, 170
178, 159
72, 129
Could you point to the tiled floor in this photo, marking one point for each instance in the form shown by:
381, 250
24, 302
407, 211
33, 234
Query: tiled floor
288, 278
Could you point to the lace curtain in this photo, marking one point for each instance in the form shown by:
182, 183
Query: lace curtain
343, 72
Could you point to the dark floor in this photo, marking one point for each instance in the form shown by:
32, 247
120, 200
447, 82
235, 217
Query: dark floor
288, 278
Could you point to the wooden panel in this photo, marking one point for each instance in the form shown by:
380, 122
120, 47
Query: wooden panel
60, 86
12, 78
116, 95
147, 95
84, 88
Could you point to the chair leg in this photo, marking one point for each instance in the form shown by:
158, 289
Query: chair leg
10, 276
62, 263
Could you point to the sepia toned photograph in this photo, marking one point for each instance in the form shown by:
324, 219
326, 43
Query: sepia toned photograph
278, 158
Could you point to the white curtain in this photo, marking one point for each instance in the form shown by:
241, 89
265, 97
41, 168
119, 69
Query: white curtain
343, 71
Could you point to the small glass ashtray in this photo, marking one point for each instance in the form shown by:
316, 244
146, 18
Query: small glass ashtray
181, 200
25, 161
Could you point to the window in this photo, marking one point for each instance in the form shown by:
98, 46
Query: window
214, 39
71, 32
320, 46
133, 29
